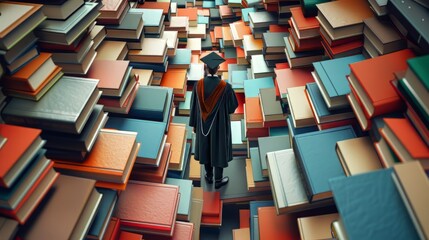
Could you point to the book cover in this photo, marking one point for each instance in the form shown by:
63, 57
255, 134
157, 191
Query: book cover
287, 78
112, 75
185, 190
153, 174
270, 144
149, 104
316, 227
105, 210
273, 226
300, 108
252, 86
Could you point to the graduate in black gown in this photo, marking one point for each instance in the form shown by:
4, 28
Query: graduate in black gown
213, 100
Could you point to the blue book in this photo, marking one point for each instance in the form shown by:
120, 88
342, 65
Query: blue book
293, 131
332, 81
219, 2
149, 104
150, 134
182, 58
167, 112
256, 165
245, 13
322, 113
209, 4
318, 160
254, 226
181, 173
237, 79
203, 19
371, 207
185, 107
270, 144
105, 209
151, 17
185, 197
278, 131
252, 86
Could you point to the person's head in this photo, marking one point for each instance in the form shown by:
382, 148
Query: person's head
212, 71
212, 61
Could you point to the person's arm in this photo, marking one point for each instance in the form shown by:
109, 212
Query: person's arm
232, 101
194, 108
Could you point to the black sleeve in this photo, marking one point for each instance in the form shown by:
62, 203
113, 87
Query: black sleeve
194, 107
232, 102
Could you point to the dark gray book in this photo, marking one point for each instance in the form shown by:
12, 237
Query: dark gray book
270, 144
8, 228
206, 44
149, 104
130, 27
82, 142
274, 42
236, 189
262, 19
65, 107
214, 13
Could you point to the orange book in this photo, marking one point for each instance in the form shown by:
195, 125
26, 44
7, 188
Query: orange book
203, 12
223, 67
182, 231
278, 28
282, 65
195, 58
30, 77
238, 29
373, 86
218, 33
303, 23
213, 37
253, 113
124, 235
244, 218
307, 44
111, 75
334, 51
226, 33
273, 226
153, 174
176, 79
211, 204
110, 160
176, 136
165, 6
112, 229
225, 11
240, 52
191, 13
16, 153
287, 78
405, 141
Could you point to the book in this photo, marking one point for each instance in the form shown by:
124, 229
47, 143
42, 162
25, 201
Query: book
270, 144
150, 134
138, 208
153, 19
253, 113
273, 42
110, 160
300, 59
273, 226
271, 108
379, 96
152, 174
172, 42
102, 217
259, 67
330, 76
149, 104
113, 76
130, 27
82, 201
61, 11
9, 227
383, 36
316, 227
74, 97
241, 233
182, 59
185, 191
112, 12
112, 50
212, 209
153, 50
305, 27
21, 146
287, 78
177, 137
254, 224
175, 79
321, 164
412, 184
252, 86
300, 107
261, 19
397, 224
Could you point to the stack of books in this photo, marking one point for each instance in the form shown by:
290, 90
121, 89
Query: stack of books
212, 210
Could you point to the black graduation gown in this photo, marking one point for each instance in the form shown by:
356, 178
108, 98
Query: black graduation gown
217, 145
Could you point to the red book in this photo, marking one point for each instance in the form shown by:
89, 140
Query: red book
21, 145
182, 231
373, 86
255, 133
148, 208
307, 27
153, 174
306, 44
130, 236
278, 28
273, 226
282, 65
211, 204
112, 229
111, 75
240, 99
278, 123
215, 221
244, 218
346, 49
287, 78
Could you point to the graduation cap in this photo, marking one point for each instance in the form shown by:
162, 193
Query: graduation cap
212, 60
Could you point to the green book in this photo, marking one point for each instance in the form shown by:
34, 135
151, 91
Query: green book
419, 66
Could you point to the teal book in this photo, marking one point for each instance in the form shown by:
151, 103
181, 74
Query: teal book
131, 21
371, 207
256, 165
419, 66
245, 14
65, 108
237, 79
322, 112
318, 160
182, 57
270, 144
333, 82
150, 134
152, 18
235, 67
184, 120
185, 199
278, 131
209, 4
254, 224
168, 106
252, 86
293, 131
203, 19
102, 217
185, 107
230, 52
149, 104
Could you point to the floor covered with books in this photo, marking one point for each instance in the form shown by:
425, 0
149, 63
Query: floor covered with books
330, 138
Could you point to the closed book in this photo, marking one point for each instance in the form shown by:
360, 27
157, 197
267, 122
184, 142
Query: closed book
104, 213
112, 232
241, 234
273, 42
182, 230
149, 104
300, 107
383, 35
271, 108
82, 201
177, 137
358, 155
316, 227
257, 168
65, 32
287, 78
17, 152
74, 100
259, 67
32, 75
112, 50
153, 19
318, 165
176, 79
212, 209
124, 235
60, 11
301, 59
185, 190
252, 46
251, 185
273, 226
130, 27
270, 144
374, 89
8, 227
185, 107
182, 59
405, 141
412, 184
196, 210
148, 208
112, 9
20, 19
254, 224
113, 76
244, 218
150, 134
153, 50
110, 160
262, 19
153, 174
330, 76
252, 86
306, 27
353, 201
293, 131
253, 113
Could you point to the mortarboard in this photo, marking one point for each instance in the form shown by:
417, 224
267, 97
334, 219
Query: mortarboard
212, 60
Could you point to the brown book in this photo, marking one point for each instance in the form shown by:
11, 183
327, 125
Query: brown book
316, 227
241, 234
153, 50
194, 169
112, 50
383, 35
176, 136
299, 107
413, 184
8, 228
358, 155
67, 211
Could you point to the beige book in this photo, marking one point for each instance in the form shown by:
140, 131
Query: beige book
195, 45
178, 23
358, 155
144, 76
252, 46
413, 186
153, 50
172, 42
196, 210
194, 169
97, 34
300, 108
241, 234
316, 227
252, 186
112, 50
198, 31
